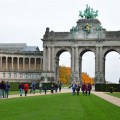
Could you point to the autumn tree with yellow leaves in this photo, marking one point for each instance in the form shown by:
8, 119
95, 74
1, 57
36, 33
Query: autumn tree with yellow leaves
64, 75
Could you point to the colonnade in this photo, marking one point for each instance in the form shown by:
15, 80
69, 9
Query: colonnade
19, 62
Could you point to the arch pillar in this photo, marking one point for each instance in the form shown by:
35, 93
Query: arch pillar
99, 65
76, 65
1, 63
57, 69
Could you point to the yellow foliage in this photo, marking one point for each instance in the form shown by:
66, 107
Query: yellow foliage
64, 75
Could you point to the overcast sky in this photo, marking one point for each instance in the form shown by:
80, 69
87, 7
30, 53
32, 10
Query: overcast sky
25, 21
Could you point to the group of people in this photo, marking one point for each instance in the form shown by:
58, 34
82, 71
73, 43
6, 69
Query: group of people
55, 87
4, 89
24, 87
86, 88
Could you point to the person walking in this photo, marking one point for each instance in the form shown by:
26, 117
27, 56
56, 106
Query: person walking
89, 88
7, 88
78, 88
26, 87
21, 87
52, 87
73, 85
34, 87
56, 87
60, 86
40, 87
0, 91
31, 88
83, 88
86, 89
45, 89
3, 88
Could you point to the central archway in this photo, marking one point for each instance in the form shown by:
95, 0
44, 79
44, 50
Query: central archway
57, 63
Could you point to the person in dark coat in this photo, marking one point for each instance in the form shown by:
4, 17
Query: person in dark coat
3, 88
78, 88
7, 88
45, 89
0, 91
73, 85
56, 87
89, 88
60, 86
21, 87
83, 88
52, 87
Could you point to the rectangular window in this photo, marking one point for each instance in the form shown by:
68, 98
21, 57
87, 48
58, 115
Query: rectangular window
9, 75
3, 75
15, 75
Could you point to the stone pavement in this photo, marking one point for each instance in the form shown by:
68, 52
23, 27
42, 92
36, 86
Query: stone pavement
37, 94
109, 98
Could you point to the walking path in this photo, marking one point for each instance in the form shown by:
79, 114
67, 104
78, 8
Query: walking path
109, 98
37, 94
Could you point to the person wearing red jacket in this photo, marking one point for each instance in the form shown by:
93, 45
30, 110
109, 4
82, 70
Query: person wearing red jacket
26, 87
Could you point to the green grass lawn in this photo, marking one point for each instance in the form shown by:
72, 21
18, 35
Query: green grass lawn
18, 92
115, 94
58, 107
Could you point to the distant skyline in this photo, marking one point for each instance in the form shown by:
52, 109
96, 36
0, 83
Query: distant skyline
25, 21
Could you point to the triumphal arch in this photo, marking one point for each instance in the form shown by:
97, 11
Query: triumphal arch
87, 35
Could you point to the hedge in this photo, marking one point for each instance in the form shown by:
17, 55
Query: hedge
107, 87
14, 86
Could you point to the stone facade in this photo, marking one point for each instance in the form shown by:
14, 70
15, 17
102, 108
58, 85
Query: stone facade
88, 35
19, 62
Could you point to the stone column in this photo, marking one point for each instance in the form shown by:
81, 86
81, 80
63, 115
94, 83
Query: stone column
101, 60
57, 70
12, 63
72, 60
80, 68
53, 59
76, 64
18, 63
35, 64
44, 59
41, 63
23, 63
104, 70
49, 60
76, 58
96, 60
1, 62
29, 63
6, 63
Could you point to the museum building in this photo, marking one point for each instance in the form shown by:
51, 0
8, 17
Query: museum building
20, 63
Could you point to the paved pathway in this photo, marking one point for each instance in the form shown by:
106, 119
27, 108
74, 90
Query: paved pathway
37, 94
109, 98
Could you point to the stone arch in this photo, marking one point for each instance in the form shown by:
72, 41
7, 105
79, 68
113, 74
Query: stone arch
110, 50
57, 55
59, 51
78, 41
106, 51
81, 53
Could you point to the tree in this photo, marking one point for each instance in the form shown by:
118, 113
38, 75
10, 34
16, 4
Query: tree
64, 75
